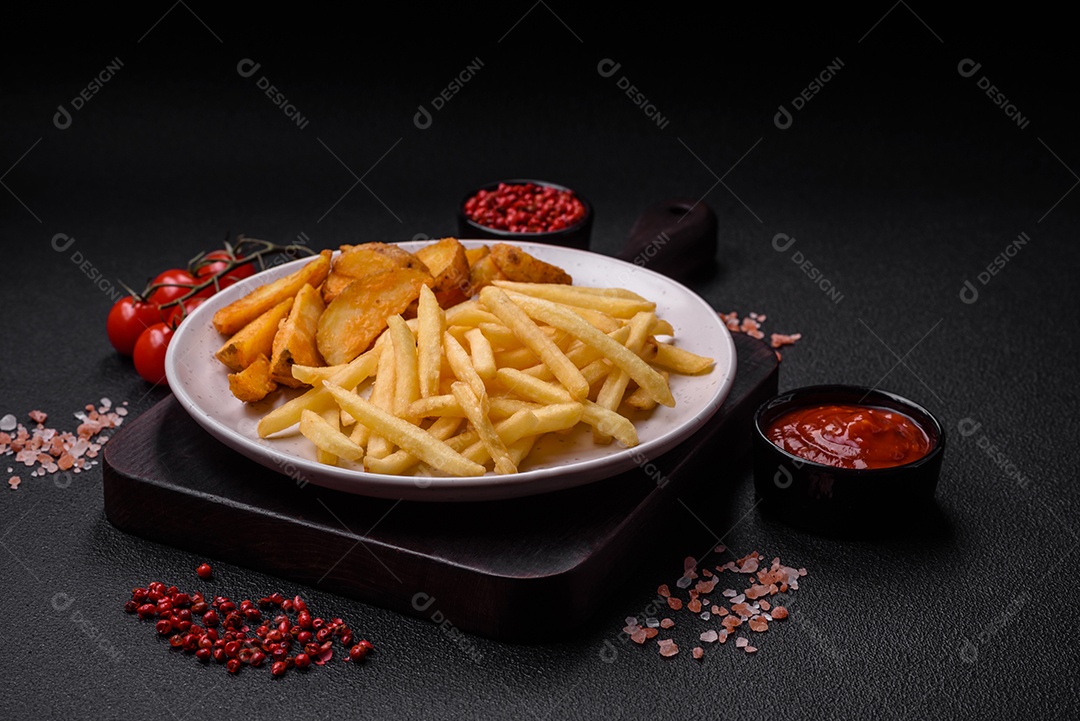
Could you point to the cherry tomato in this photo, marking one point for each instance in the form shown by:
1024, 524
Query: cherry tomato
150, 350
176, 314
128, 318
174, 280
218, 260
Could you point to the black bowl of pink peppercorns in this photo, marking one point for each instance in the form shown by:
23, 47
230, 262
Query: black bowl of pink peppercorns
526, 210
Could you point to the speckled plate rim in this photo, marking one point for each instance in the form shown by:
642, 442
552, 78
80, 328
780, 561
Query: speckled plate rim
200, 384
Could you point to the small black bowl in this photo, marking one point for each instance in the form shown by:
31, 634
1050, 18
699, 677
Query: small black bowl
824, 498
574, 236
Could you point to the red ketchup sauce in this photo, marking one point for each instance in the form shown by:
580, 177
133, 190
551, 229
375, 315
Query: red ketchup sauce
850, 436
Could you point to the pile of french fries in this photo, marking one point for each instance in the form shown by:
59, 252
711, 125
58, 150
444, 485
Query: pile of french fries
449, 362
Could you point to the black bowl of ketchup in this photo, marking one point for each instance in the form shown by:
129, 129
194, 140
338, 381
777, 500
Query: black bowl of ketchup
846, 458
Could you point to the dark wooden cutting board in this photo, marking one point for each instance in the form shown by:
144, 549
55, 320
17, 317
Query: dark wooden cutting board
490, 567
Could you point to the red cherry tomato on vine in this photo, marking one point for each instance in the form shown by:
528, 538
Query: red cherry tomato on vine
218, 260
149, 355
128, 318
177, 283
175, 315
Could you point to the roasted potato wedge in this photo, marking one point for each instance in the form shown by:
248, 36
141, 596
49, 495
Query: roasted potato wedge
360, 261
448, 264
356, 317
475, 254
239, 313
482, 273
254, 339
295, 339
254, 382
517, 265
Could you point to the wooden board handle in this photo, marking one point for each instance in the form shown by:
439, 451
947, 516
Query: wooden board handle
676, 237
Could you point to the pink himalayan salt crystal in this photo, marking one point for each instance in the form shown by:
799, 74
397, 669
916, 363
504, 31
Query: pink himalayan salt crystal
14, 482
698, 652
741, 642
709, 636
666, 623
669, 650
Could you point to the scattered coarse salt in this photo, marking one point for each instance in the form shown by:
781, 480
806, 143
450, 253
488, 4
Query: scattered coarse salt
750, 608
14, 482
751, 326
48, 450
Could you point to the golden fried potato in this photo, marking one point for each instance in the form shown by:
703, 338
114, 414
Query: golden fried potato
295, 339
254, 339
517, 265
482, 273
356, 317
474, 255
254, 382
360, 261
448, 264
239, 313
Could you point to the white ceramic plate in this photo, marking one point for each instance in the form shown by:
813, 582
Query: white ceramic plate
200, 384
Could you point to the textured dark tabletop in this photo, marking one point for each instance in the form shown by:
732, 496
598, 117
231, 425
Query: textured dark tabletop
900, 180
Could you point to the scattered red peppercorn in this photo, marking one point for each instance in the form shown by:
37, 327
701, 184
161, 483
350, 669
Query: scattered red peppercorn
231, 642
525, 208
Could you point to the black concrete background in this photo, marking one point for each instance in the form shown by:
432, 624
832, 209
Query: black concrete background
900, 180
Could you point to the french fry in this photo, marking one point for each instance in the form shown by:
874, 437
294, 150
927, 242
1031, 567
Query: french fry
382, 396
400, 462
406, 376
642, 373
462, 365
413, 439
477, 413
571, 295
614, 388
680, 360
318, 399
431, 323
499, 303
328, 439
483, 358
